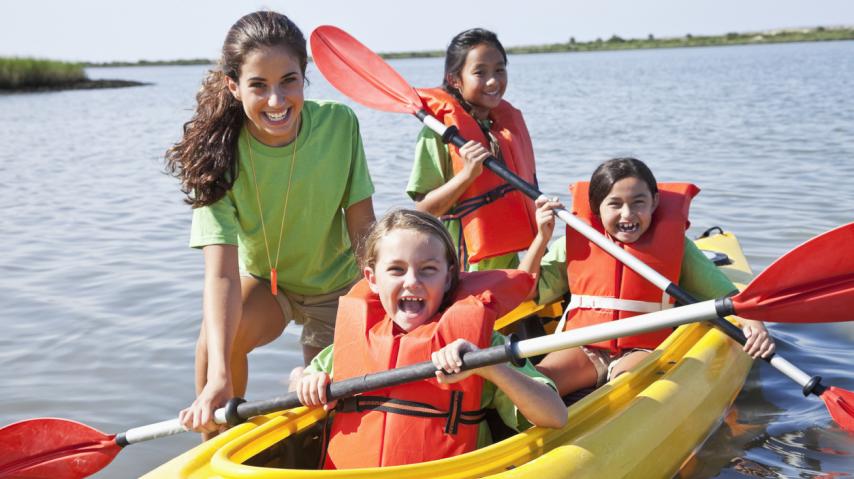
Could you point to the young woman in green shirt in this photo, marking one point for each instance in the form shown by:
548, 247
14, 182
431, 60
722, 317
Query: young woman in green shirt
280, 192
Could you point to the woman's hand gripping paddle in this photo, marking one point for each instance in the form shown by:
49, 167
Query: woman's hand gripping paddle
366, 78
787, 291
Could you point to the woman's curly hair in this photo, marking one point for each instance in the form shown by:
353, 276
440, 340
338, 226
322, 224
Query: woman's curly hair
205, 160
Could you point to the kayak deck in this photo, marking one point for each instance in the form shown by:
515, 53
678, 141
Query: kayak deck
646, 423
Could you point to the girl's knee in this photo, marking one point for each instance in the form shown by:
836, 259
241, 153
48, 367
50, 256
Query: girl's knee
262, 319
255, 331
628, 362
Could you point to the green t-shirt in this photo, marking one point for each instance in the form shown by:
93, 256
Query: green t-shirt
330, 175
698, 276
432, 168
491, 396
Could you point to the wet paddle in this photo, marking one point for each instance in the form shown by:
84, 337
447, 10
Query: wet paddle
366, 78
63, 449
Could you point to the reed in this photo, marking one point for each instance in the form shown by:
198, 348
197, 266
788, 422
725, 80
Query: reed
25, 73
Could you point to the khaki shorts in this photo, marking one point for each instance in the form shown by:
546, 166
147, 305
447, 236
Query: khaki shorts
315, 313
604, 363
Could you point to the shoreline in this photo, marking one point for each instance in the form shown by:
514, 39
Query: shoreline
614, 43
76, 85
21, 74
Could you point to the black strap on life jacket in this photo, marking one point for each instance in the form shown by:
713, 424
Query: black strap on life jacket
455, 415
468, 206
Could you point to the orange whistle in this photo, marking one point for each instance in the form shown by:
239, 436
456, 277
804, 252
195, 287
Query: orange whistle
274, 282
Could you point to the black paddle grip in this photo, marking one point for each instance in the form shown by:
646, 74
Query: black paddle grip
121, 439
232, 416
814, 386
383, 379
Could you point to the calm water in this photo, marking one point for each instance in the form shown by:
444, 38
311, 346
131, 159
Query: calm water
101, 297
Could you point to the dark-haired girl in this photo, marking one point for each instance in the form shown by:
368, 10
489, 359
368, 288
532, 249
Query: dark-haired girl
648, 219
489, 221
280, 192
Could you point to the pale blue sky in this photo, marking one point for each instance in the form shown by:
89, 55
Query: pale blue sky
106, 30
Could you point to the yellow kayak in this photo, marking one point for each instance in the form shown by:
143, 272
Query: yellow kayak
646, 423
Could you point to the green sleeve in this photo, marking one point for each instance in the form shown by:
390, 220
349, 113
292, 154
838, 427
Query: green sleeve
321, 363
215, 224
507, 261
432, 166
700, 277
359, 184
553, 283
495, 398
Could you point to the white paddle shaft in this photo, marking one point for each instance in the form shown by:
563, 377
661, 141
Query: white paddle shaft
160, 429
644, 323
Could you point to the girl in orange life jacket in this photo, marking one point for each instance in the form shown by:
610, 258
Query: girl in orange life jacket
622, 197
413, 305
489, 221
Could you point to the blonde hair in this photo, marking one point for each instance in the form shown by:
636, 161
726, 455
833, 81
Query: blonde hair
410, 220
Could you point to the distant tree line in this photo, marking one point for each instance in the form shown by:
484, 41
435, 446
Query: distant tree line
616, 42
15, 72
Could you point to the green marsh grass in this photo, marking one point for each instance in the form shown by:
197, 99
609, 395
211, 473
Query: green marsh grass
25, 73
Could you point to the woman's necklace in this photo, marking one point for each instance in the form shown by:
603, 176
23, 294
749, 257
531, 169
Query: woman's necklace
273, 275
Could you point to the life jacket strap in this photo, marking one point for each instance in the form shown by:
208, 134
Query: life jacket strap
455, 415
469, 205
577, 301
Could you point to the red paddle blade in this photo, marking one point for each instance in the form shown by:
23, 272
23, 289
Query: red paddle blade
813, 283
840, 403
359, 73
55, 448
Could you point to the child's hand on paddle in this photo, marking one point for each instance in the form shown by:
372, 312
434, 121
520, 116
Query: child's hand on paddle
759, 343
546, 215
448, 362
474, 155
311, 391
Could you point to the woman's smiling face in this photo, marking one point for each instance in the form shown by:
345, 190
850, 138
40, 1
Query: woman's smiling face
411, 276
270, 87
626, 212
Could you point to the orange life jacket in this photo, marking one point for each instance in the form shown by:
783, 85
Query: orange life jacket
603, 289
496, 219
381, 428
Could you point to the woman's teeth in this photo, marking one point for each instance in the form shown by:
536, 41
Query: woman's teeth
277, 116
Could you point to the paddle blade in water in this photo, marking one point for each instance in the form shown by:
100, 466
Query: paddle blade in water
840, 403
813, 283
362, 75
55, 448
